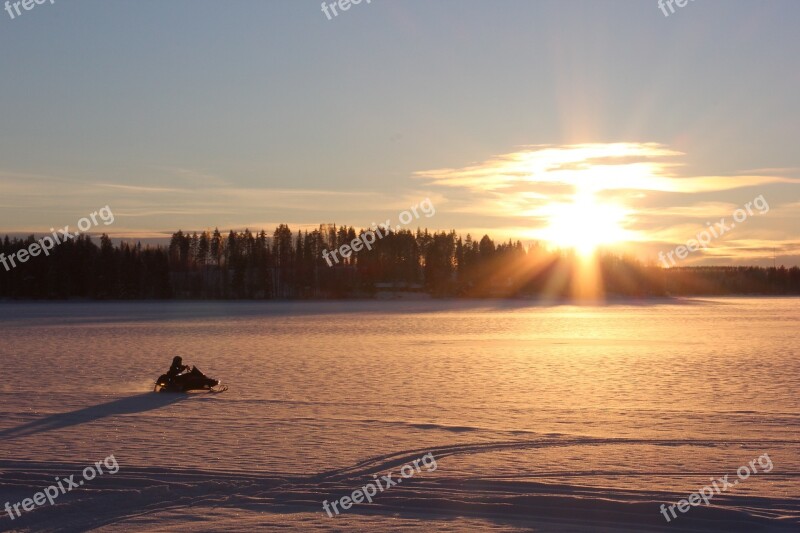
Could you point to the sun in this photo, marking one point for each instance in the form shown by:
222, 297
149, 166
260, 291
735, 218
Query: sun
585, 224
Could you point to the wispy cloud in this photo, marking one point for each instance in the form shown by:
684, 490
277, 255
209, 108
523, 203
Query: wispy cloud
599, 167
138, 188
656, 199
148, 207
648, 185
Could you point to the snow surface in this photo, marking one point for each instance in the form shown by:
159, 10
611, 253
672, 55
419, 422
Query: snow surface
540, 418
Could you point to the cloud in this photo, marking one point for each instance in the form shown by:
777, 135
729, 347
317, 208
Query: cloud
514, 195
599, 167
137, 188
646, 185
42, 201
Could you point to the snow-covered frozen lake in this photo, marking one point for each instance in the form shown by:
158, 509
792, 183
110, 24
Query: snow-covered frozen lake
559, 418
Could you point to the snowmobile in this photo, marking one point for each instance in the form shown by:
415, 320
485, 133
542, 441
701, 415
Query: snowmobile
193, 380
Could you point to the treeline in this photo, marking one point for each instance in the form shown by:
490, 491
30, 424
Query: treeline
287, 265
78, 268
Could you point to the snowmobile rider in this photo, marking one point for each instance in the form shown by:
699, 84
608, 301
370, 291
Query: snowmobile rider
176, 368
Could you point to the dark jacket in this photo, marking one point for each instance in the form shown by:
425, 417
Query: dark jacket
176, 369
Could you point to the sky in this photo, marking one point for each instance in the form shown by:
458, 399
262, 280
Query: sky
547, 120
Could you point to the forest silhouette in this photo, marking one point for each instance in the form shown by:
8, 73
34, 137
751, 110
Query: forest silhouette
287, 265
